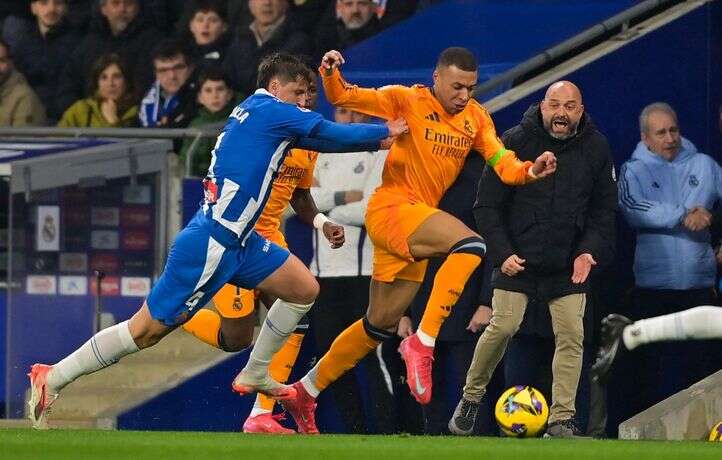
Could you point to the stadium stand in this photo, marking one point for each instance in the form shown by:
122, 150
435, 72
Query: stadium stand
639, 64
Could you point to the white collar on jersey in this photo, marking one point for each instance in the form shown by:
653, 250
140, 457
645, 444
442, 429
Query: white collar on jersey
263, 91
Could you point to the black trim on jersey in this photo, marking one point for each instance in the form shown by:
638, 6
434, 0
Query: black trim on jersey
360, 250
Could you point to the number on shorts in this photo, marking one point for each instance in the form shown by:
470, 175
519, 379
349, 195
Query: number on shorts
194, 299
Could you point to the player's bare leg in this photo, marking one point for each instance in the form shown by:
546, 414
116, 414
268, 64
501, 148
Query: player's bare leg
102, 350
296, 290
441, 234
387, 304
236, 334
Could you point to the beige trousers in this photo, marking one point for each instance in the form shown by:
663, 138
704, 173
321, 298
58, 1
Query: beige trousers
567, 314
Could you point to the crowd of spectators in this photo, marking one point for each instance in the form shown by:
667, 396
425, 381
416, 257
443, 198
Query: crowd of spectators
123, 63
179, 63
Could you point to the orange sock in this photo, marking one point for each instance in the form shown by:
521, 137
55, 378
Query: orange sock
280, 367
347, 350
205, 325
448, 285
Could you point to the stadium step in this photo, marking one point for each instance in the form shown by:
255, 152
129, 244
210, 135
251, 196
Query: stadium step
687, 415
95, 401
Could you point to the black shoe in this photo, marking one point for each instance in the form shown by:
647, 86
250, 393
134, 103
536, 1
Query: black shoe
462, 422
612, 329
563, 429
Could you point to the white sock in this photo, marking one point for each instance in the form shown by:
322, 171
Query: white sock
425, 338
308, 384
282, 319
102, 350
256, 411
697, 323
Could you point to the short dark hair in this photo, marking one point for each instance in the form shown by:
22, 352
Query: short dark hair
212, 73
459, 57
283, 66
309, 67
197, 6
102, 2
171, 47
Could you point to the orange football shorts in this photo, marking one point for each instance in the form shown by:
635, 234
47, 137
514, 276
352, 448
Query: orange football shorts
390, 221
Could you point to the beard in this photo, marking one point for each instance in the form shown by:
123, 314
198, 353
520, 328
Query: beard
120, 25
356, 21
571, 128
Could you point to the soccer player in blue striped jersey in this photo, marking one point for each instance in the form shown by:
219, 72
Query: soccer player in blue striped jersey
220, 246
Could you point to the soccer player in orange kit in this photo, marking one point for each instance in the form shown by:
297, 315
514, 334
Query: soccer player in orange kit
402, 220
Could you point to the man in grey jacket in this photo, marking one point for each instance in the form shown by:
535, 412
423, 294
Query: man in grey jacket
667, 190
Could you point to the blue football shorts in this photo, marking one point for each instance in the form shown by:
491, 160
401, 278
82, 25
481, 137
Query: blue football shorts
198, 266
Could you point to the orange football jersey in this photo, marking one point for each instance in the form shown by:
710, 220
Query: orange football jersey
295, 172
424, 163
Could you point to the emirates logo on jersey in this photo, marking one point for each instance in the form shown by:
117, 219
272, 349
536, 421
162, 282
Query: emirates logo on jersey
290, 174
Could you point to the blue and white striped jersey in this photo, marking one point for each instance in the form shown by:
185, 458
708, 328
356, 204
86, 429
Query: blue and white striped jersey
246, 158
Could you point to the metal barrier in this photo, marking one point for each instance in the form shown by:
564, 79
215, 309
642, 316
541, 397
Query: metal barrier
208, 131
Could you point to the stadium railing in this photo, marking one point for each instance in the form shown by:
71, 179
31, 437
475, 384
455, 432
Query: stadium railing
209, 131
574, 45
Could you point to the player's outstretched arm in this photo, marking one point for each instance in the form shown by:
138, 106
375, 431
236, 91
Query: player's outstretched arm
382, 103
330, 137
306, 208
507, 166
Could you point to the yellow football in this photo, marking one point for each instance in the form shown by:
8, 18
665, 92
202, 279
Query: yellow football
716, 433
522, 412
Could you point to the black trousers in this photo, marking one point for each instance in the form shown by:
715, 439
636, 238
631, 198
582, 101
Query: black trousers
653, 372
341, 302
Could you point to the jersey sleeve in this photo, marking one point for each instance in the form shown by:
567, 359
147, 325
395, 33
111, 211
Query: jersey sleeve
307, 179
507, 166
384, 103
296, 121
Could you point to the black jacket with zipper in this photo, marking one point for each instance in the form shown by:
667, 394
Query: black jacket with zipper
553, 220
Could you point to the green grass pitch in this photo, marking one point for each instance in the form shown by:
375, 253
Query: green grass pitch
135, 445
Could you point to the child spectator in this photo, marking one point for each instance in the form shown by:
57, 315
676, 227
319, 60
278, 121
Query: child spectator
216, 101
206, 27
